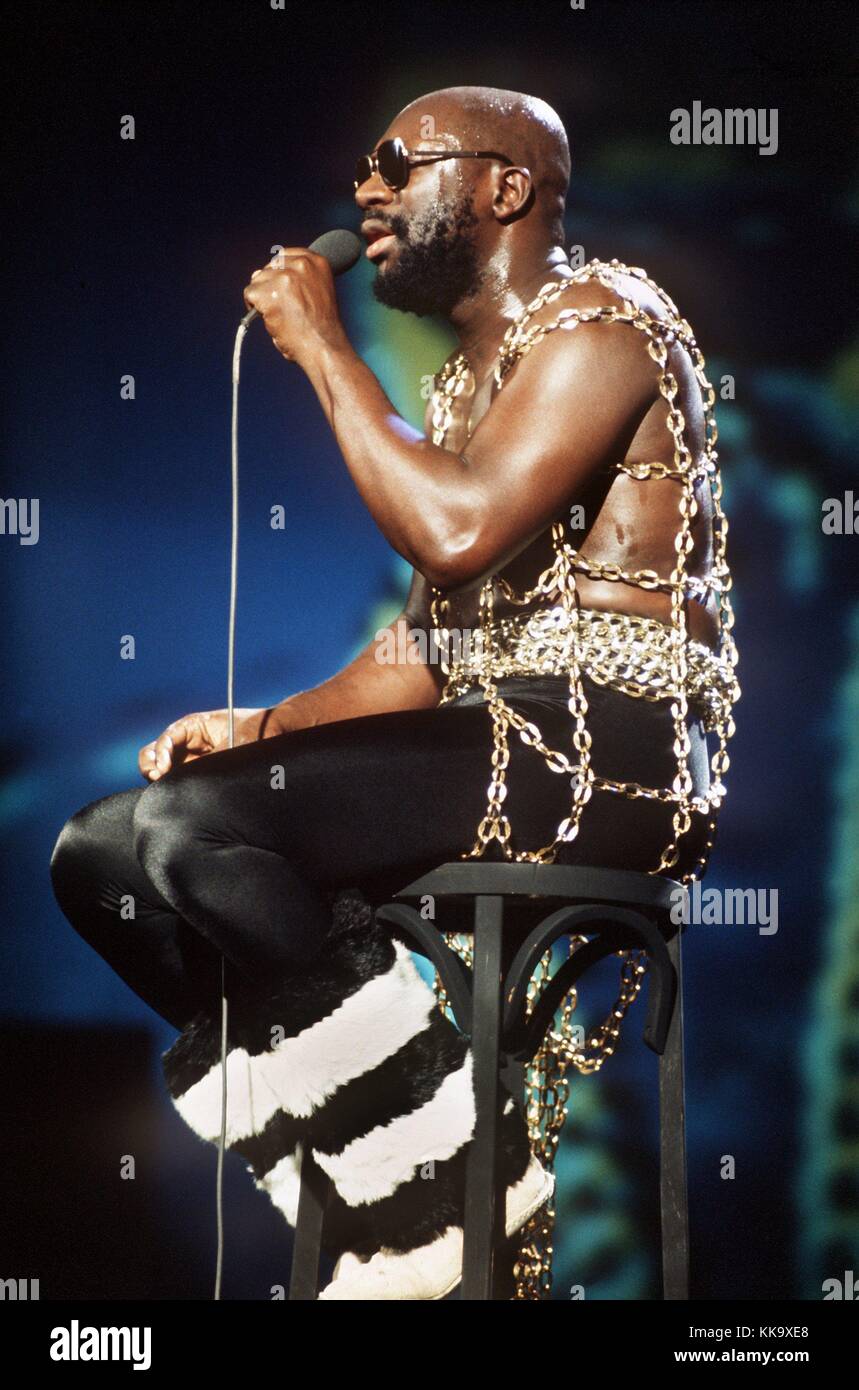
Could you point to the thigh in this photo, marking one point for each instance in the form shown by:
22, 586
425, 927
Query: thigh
346, 803
632, 743
372, 801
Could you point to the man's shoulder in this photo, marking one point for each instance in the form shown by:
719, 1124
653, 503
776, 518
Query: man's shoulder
615, 310
582, 336
605, 285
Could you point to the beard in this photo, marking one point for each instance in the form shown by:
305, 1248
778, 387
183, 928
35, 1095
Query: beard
437, 264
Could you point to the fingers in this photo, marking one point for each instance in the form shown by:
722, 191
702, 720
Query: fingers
145, 758
157, 757
294, 253
163, 755
291, 257
294, 296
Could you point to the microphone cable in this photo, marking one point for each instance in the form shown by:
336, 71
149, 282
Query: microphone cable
231, 663
341, 249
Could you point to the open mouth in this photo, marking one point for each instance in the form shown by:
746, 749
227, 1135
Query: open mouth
379, 237
380, 246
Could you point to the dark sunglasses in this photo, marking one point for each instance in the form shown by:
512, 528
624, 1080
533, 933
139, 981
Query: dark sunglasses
393, 161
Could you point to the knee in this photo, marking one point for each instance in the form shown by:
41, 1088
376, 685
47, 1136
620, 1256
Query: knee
166, 817
73, 851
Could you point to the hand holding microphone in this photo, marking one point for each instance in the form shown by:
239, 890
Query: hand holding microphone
294, 294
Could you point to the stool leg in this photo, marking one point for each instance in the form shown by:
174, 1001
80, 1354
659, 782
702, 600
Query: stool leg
674, 1206
480, 1229
312, 1201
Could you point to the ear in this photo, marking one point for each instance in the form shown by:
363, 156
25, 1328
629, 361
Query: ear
514, 193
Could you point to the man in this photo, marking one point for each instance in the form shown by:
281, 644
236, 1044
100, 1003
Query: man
379, 781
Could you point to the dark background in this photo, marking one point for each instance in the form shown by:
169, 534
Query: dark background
130, 257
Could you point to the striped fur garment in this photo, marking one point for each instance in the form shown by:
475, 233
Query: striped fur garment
367, 1070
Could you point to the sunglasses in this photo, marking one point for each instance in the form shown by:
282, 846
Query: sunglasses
393, 161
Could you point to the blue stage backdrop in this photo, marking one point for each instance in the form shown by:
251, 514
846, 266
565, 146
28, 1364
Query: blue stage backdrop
129, 259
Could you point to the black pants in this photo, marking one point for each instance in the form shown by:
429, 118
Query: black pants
239, 852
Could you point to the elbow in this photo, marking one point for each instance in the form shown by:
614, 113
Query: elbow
439, 575
453, 560
454, 567
457, 545
454, 540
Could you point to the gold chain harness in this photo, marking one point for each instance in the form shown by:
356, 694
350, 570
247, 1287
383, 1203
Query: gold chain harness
640, 656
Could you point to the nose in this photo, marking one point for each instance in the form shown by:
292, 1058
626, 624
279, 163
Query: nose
374, 192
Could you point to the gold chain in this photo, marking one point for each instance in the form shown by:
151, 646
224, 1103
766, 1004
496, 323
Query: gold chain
547, 1090
623, 650
547, 1084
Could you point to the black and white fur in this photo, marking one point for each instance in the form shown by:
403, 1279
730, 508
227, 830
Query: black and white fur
353, 1056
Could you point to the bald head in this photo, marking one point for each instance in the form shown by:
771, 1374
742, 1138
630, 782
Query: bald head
457, 230
524, 128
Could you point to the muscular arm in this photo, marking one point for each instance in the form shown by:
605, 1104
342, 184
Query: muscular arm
570, 405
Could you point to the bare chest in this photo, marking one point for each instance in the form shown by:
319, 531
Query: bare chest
466, 410
623, 530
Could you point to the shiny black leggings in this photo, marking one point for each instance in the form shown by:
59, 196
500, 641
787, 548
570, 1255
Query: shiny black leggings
238, 853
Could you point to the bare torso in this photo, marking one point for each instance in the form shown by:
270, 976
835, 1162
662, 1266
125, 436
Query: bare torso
628, 522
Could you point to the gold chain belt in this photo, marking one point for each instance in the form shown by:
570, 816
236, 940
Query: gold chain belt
627, 652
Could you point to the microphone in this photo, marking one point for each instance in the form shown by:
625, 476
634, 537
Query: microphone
341, 250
